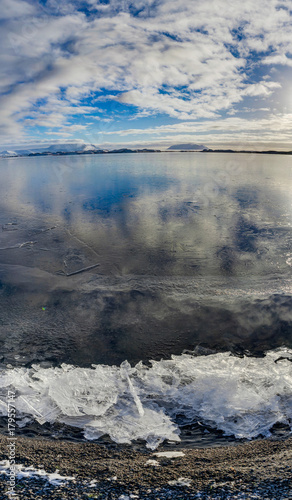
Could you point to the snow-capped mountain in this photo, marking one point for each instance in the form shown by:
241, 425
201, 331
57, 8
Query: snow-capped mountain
53, 148
67, 148
8, 153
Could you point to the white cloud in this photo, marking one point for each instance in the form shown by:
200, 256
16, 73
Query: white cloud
243, 131
280, 59
187, 59
261, 88
15, 9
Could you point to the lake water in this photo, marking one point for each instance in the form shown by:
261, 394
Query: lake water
140, 257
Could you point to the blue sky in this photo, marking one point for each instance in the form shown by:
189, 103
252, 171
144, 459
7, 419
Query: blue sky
146, 73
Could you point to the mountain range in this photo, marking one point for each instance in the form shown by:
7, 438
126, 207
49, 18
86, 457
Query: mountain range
54, 148
82, 148
186, 147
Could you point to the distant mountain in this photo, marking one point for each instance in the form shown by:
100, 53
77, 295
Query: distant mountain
186, 147
123, 150
8, 153
71, 149
90, 149
54, 148
67, 148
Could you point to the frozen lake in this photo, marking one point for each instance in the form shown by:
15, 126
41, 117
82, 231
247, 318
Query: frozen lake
192, 249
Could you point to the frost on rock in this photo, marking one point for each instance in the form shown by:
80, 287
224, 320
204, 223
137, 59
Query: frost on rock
244, 397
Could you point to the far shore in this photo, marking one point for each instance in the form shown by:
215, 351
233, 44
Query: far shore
148, 151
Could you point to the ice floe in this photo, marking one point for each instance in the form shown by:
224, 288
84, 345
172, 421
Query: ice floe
243, 397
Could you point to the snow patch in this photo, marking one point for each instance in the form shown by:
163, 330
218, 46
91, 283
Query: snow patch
181, 481
27, 472
169, 454
153, 463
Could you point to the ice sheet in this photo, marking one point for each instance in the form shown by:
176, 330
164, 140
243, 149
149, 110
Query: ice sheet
243, 397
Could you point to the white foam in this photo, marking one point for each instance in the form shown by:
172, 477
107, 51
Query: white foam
244, 397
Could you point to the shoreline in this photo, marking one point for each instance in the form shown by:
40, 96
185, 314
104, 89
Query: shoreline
257, 469
144, 151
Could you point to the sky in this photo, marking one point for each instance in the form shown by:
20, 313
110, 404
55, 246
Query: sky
148, 73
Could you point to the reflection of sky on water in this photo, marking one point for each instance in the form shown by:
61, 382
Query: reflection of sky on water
192, 249
175, 214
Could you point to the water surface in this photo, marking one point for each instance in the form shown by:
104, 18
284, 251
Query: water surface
192, 249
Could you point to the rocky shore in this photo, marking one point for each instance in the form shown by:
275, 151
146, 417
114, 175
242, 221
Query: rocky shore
259, 469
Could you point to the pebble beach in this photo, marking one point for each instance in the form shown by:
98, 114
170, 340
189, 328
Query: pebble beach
68, 470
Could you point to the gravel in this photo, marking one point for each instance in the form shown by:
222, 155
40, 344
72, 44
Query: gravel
259, 469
